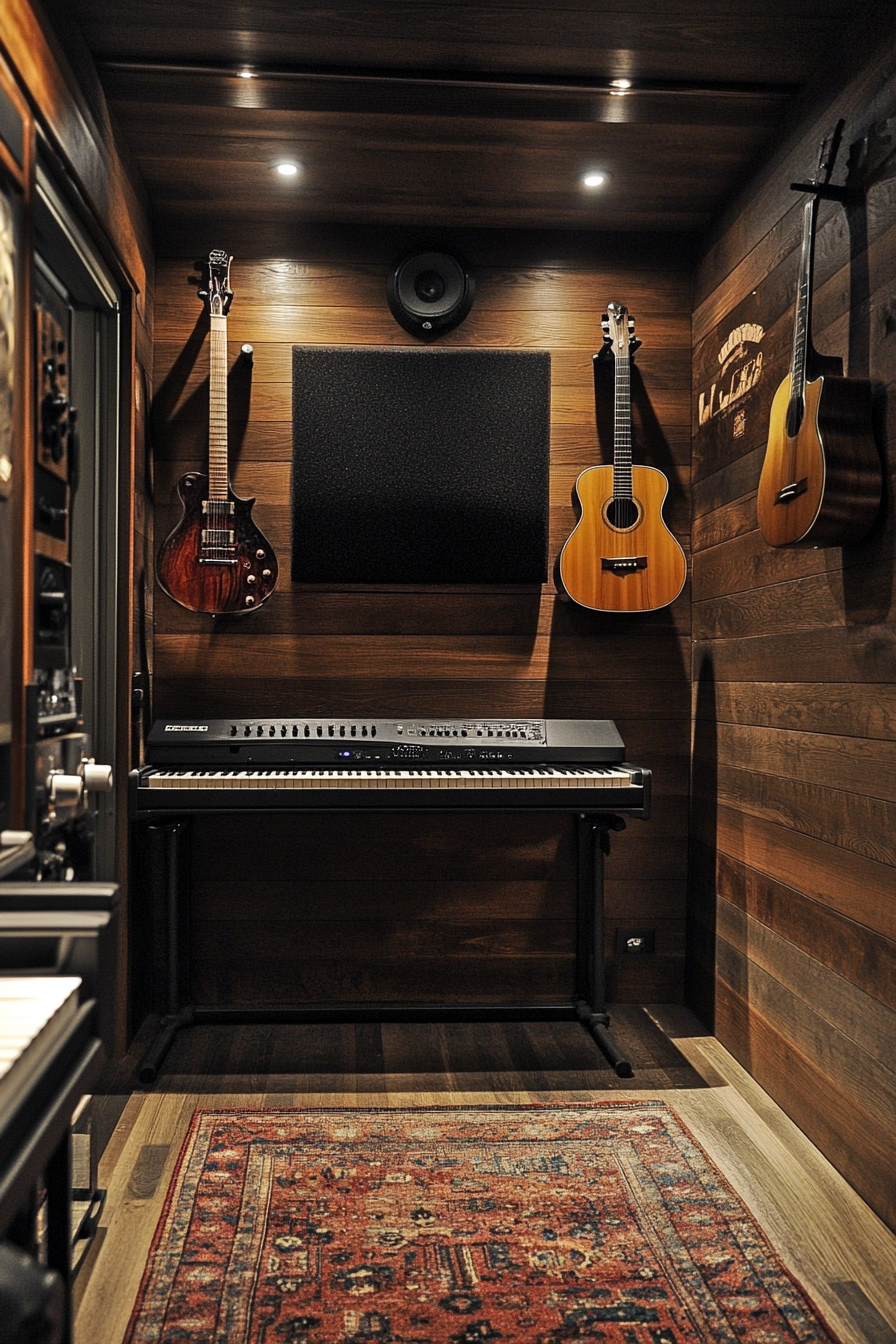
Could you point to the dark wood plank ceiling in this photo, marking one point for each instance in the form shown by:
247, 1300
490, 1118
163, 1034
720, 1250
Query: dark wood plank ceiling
453, 114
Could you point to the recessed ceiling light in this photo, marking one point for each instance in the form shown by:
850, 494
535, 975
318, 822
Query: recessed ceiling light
595, 179
287, 169
245, 74
621, 84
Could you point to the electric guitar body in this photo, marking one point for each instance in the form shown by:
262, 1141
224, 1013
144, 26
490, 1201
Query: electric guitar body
217, 588
821, 478
216, 560
621, 556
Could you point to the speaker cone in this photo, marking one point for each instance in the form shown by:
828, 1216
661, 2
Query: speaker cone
430, 293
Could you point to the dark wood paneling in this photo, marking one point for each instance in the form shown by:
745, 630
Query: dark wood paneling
848, 708
462, 112
550, 37
450, 114
844, 946
793, 809
495, 891
834, 1117
434, 651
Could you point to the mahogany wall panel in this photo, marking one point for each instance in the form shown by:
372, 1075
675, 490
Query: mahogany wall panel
428, 908
791, 918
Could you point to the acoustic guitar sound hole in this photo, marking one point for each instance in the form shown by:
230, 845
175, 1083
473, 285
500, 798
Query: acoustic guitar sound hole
622, 513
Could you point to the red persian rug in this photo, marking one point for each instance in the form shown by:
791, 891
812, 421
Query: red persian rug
459, 1226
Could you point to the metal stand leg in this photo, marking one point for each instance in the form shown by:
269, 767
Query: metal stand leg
176, 1017
594, 843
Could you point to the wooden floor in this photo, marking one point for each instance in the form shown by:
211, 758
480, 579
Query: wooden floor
837, 1248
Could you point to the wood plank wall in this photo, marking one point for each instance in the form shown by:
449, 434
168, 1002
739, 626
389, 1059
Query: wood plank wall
794, 784
450, 907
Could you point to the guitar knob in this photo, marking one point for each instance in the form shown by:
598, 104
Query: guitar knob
265, 573
259, 555
250, 601
250, 578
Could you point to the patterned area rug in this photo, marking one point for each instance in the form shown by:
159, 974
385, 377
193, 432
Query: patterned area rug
459, 1226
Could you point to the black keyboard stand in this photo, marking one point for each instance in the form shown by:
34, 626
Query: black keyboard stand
588, 1006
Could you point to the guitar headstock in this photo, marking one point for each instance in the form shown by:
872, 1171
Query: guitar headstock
619, 330
218, 293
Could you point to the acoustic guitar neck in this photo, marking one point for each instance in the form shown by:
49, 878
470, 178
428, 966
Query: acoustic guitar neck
622, 425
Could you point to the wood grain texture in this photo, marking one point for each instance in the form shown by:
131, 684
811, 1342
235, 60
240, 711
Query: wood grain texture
818, 1224
587, 578
431, 651
834, 452
794, 866
835, 1118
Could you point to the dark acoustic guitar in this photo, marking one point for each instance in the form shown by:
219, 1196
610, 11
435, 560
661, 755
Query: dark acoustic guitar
821, 478
216, 559
620, 555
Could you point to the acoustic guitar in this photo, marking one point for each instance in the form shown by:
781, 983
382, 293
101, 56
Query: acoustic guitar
821, 478
620, 555
216, 560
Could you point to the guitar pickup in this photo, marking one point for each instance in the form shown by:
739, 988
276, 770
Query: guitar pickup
624, 564
221, 505
217, 536
792, 491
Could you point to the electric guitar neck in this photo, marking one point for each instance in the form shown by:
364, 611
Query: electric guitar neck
216, 559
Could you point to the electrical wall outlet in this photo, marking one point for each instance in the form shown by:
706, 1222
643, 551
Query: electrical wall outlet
635, 941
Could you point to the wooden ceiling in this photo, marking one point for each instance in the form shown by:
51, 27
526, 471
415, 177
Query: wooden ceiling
473, 113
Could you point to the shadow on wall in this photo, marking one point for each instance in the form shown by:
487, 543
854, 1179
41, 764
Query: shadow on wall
172, 409
865, 570
700, 955
867, 566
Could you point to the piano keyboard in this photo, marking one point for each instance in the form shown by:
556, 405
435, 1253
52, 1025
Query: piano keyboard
34, 1012
543, 777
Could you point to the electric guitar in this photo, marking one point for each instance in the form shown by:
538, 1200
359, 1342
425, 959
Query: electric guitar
216, 559
821, 477
620, 555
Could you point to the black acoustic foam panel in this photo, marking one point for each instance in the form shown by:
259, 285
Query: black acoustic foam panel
420, 466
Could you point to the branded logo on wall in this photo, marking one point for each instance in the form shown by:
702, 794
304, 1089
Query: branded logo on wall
741, 369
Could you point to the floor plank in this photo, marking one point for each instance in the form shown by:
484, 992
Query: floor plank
839, 1250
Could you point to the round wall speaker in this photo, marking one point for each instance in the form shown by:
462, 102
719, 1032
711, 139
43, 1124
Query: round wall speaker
430, 293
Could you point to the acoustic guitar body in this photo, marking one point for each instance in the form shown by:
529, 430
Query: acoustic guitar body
822, 485
209, 586
634, 568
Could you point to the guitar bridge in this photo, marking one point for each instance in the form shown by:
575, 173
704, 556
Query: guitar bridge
624, 564
792, 491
